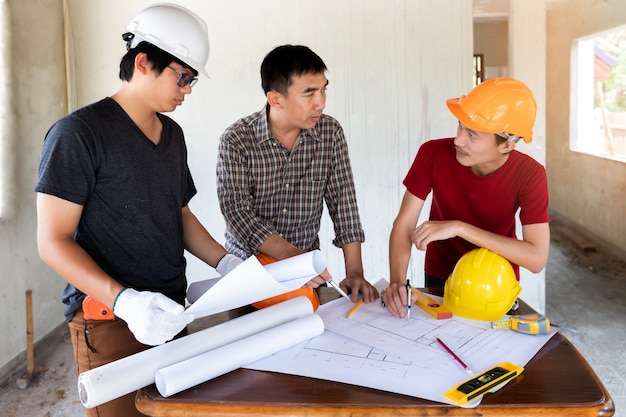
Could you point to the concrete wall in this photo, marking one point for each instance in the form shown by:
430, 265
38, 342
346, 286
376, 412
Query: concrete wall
38, 89
390, 71
527, 62
391, 67
586, 191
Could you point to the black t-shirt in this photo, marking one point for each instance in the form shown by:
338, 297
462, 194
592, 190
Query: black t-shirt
132, 192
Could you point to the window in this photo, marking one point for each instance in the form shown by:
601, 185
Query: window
598, 95
479, 69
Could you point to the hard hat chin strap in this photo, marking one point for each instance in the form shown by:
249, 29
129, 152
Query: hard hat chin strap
508, 136
128, 38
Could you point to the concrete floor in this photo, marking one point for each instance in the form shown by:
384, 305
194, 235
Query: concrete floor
584, 291
587, 292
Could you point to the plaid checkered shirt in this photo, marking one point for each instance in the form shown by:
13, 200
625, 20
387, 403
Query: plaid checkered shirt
265, 189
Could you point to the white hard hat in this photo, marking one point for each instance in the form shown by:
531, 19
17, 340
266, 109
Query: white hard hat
174, 29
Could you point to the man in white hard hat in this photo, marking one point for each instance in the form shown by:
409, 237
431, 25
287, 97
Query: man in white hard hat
112, 200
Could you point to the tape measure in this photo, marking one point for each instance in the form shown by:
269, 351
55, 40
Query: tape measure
432, 307
95, 310
527, 323
487, 381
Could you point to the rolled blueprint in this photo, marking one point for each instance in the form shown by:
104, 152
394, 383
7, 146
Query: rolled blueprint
191, 372
300, 268
309, 265
131, 373
251, 282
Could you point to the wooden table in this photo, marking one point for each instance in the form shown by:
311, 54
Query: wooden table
558, 381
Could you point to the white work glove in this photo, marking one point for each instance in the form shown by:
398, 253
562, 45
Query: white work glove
151, 317
227, 264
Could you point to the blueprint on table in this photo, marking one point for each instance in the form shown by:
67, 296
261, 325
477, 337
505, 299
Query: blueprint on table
478, 345
374, 349
335, 358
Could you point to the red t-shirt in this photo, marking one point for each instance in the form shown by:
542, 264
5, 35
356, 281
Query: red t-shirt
489, 202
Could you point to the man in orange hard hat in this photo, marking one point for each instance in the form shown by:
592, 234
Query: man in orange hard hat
478, 183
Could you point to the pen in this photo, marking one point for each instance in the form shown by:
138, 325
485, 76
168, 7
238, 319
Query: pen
339, 290
408, 302
356, 306
456, 358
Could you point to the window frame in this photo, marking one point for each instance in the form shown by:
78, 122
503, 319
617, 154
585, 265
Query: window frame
584, 118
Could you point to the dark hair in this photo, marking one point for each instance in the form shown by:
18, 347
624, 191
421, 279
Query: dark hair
499, 139
285, 62
156, 56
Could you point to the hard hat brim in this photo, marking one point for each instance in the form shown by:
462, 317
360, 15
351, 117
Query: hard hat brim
455, 107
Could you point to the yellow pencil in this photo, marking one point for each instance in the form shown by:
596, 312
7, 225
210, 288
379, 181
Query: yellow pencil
357, 305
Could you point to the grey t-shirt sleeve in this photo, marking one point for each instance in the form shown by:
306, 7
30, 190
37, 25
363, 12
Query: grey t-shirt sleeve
67, 167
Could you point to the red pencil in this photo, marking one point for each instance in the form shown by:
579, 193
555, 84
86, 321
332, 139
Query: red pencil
467, 368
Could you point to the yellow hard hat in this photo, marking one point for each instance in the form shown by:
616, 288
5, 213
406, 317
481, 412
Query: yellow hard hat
482, 286
498, 105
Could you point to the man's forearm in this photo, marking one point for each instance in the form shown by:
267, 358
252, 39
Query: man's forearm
278, 248
352, 258
399, 256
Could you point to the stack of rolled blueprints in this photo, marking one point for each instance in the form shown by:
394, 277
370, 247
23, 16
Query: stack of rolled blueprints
201, 356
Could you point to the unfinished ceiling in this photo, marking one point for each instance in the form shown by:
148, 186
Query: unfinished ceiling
488, 10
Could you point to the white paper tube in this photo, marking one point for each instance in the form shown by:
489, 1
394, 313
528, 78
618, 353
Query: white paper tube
251, 282
309, 264
131, 373
201, 368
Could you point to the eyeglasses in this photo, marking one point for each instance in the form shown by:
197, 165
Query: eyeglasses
184, 79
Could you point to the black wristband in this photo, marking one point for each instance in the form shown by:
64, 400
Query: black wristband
220, 260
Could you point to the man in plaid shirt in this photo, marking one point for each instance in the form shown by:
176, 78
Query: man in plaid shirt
277, 167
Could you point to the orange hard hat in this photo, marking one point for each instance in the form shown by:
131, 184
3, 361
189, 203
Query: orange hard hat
498, 105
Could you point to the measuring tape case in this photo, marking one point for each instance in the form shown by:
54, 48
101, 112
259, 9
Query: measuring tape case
483, 383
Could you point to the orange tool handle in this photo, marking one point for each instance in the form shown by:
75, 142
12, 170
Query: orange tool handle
307, 292
95, 310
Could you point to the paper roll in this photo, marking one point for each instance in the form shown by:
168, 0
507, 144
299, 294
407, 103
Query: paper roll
251, 282
191, 372
131, 373
300, 267
309, 264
